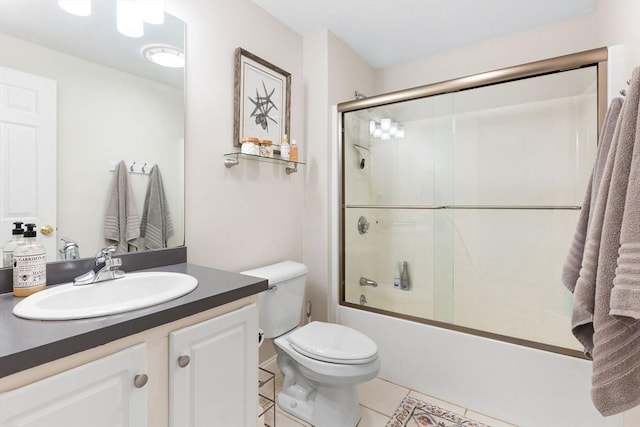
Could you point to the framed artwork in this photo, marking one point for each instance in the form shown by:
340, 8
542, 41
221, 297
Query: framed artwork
262, 99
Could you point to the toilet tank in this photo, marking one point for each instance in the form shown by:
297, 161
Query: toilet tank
280, 307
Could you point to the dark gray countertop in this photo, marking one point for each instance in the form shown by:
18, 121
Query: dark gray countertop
28, 343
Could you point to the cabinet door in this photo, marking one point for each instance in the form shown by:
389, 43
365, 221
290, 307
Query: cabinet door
98, 394
213, 372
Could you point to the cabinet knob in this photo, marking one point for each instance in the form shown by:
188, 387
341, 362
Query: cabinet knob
183, 361
140, 380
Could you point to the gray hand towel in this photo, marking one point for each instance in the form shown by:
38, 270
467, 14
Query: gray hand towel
579, 272
615, 386
121, 224
156, 226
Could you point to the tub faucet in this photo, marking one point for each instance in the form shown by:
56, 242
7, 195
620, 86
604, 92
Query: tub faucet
368, 282
107, 268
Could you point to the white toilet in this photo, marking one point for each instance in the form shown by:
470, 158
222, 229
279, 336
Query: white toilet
321, 363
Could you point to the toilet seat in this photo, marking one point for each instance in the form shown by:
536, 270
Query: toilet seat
329, 342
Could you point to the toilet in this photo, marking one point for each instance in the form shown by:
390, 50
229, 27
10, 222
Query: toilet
321, 363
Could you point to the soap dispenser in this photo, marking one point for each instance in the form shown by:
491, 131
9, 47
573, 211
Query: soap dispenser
29, 265
16, 240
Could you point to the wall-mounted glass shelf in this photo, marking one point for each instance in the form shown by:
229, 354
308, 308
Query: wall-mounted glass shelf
232, 159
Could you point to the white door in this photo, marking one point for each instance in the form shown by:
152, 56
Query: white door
213, 372
104, 393
28, 154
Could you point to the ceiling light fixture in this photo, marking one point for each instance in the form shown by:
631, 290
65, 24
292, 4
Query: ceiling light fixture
76, 7
129, 18
386, 129
167, 56
132, 14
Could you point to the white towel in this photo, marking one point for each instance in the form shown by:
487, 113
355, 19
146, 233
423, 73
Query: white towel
156, 226
121, 224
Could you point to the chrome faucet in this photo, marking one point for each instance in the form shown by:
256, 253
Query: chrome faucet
69, 250
107, 268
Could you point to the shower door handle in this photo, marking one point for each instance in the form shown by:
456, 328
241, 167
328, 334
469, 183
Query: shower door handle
368, 282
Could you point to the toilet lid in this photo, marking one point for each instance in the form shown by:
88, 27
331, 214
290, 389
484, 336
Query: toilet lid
333, 343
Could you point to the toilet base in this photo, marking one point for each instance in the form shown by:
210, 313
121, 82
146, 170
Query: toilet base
326, 407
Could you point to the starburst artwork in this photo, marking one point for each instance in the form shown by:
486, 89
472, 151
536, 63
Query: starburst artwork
262, 108
262, 99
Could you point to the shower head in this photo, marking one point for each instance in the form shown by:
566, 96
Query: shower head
364, 152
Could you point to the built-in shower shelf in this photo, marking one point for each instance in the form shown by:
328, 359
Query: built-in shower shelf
232, 159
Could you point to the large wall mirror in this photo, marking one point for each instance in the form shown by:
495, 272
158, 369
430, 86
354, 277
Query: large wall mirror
109, 104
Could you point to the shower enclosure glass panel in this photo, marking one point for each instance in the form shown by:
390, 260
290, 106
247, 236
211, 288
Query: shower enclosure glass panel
480, 195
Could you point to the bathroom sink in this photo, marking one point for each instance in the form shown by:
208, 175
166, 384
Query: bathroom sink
134, 291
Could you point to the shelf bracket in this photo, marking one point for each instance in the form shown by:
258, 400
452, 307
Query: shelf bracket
291, 169
231, 162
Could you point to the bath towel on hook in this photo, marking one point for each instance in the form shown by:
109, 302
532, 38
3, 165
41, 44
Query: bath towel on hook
608, 281
156, 226
122, 223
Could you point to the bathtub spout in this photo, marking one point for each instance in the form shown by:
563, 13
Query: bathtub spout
368, 282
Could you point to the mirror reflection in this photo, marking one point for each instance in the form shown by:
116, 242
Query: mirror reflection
77, 97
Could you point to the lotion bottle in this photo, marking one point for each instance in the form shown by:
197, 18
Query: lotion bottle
29, 265
10, 247
293, 151
284, 148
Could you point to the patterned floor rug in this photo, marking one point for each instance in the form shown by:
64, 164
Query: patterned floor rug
416, 413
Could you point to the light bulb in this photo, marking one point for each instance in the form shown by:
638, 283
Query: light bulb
385, 124
400, 132
129, 18
372, 127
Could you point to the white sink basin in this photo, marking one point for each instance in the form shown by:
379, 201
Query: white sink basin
135, 290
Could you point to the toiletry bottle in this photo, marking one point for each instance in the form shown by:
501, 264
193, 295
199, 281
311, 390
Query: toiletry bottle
29, 265
284, 148
404, 277
396, 276
293, 151
17, 240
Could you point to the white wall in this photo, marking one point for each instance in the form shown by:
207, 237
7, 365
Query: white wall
251, 214
332, 72
105, 114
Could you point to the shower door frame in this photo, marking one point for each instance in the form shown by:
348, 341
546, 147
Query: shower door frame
594, 57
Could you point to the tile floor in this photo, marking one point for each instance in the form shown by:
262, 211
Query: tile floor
378, 401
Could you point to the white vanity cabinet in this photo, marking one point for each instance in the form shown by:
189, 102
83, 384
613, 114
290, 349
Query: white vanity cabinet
108, 392
218, 386
213, 371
